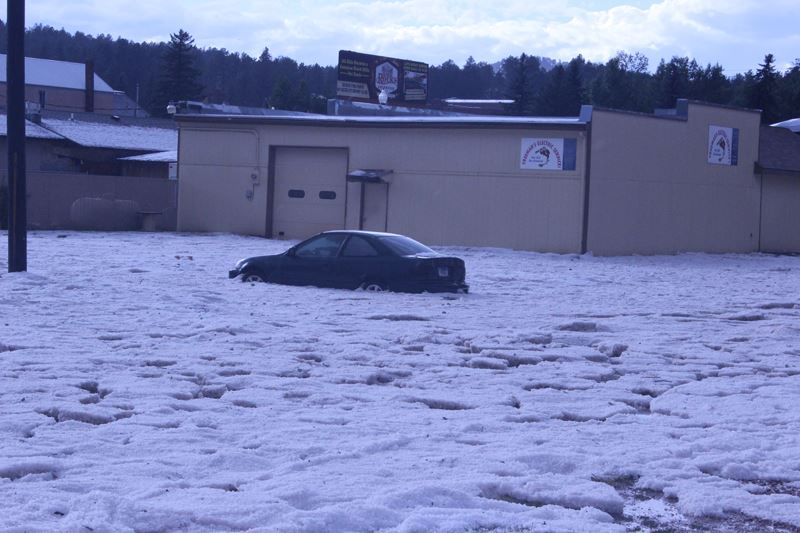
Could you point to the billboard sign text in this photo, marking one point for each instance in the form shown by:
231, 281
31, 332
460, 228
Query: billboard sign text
364, 76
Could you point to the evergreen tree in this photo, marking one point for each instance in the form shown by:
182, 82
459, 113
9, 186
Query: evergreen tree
709, 84
574, 93
789, 92
444, 80
762, 94
301, 100
624, 83
179, 77
523, 76
143, 70
282, 95
552, 98
672, 81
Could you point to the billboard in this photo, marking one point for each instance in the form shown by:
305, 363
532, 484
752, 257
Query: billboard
364, 76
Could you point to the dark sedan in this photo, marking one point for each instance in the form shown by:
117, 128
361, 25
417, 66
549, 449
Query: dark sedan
358, 260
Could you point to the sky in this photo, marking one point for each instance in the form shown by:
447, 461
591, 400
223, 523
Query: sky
734, 33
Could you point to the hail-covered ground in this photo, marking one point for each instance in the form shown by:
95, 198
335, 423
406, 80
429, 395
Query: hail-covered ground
141, 390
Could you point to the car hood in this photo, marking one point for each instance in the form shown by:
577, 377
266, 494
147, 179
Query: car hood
261, 259
424, 255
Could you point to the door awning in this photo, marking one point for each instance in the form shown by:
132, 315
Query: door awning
369, 175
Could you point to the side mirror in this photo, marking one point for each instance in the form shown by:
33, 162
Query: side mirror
290, 252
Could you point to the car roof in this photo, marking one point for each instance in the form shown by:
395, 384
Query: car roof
363, 232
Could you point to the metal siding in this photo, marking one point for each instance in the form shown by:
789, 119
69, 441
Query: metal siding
312, 170
780, 213
653, 191
459, 186
222, 185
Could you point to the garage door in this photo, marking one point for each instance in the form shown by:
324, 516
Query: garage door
309, 192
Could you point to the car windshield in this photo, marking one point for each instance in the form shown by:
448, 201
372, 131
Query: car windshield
405, 246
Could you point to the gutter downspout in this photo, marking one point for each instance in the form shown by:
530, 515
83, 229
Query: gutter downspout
760, 208
586, 117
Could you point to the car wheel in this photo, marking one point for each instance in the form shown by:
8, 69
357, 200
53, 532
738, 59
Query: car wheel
373, 286
252, 277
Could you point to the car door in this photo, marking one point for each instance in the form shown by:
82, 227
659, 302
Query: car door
312, 262
359, 261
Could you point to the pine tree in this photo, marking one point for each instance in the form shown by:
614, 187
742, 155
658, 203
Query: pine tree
179, 77
522, 75
762, 95
574, 93
282, 95
672, 80
789, 92
552, 101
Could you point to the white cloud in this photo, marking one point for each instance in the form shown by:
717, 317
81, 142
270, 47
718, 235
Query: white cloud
736, 33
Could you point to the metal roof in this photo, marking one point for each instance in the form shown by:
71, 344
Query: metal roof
99, 135
778, 150
51, 73
792, 124
369, 175
392, 121
32, 130
169, 156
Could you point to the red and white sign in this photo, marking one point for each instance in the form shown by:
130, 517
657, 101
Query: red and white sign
542, 154
387, 77
720, 145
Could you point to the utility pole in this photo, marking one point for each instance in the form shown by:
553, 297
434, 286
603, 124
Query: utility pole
15, 75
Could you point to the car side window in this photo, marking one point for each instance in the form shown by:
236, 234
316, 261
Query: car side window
358, 247
323, 246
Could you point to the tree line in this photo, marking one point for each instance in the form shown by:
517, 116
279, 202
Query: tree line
157, 73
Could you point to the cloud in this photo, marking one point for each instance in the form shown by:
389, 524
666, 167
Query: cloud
735, 33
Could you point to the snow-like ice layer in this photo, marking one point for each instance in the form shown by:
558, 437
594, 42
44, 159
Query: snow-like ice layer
140, 389
122, 136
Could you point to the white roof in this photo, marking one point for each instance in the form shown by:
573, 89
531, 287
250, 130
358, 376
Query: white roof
412, 119
99, 135
791, 124
466, 101
32, 130
51, 73
170, 156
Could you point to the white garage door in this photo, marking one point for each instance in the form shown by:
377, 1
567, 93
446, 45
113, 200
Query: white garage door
309, 193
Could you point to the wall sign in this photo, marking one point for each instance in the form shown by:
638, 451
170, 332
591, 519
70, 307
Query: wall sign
723, 145
554, 153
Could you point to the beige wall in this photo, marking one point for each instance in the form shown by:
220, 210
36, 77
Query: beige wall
51, 194
450, 186
780, 213
215, 173
653, 191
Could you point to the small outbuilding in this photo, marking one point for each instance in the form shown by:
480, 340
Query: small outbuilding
607, 181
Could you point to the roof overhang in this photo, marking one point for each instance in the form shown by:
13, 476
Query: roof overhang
370, 175
446, 122
760, 169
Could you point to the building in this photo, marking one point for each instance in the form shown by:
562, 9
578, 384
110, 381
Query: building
607, 182
80, 134
72, 157
68, 87
778, 169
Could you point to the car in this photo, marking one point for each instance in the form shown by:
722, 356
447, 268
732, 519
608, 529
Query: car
366, 260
